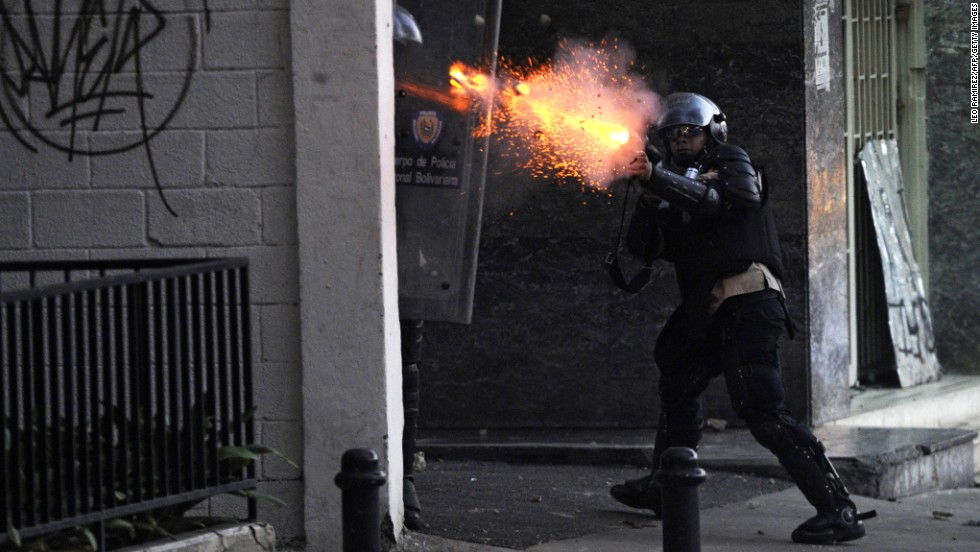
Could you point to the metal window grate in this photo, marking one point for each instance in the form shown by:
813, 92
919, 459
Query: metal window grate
120, 382
871, 90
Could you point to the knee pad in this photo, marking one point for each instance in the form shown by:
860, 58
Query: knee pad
410, 386
411, 336
781, 431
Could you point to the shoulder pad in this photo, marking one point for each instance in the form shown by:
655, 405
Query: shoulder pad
729, 159
738, 179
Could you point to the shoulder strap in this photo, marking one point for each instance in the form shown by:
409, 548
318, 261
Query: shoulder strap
611, 262
636, 283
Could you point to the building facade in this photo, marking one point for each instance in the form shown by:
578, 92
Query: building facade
169, 129
261, 129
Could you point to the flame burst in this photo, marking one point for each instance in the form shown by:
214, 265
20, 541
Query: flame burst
584, 116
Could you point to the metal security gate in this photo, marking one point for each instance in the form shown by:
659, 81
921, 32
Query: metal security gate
122, 385
884, 81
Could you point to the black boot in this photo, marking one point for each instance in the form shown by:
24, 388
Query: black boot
806, 461
839, 525
413, 510
642, 492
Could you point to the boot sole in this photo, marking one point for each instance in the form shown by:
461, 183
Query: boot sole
413, 520
829, 537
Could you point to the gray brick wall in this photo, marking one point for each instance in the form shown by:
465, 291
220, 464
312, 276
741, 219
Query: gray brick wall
15, 229
216, 120
88, 218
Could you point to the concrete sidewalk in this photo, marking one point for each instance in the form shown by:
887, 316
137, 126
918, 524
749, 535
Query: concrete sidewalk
947, 521
880, 462
944, 521
549, 491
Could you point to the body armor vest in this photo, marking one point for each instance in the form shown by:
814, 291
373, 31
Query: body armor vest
706, 248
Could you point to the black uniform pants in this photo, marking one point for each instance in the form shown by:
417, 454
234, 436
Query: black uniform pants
740, 342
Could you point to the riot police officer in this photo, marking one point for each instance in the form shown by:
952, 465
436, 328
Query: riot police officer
705, 209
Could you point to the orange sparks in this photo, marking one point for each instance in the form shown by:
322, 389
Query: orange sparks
583, 116
465, 79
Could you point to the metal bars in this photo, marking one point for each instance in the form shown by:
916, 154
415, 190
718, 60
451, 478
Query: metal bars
120, 383
871, 84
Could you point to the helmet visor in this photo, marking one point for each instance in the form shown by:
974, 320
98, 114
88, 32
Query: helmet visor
685, 131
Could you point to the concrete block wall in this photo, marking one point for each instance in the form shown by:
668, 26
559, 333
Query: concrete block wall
206, 94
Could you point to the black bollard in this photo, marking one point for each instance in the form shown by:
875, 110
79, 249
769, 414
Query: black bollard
359, 479
679, 477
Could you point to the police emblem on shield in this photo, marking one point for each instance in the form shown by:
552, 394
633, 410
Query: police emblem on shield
426, 128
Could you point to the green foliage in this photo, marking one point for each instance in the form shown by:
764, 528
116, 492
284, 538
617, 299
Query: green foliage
14, 534
102, 439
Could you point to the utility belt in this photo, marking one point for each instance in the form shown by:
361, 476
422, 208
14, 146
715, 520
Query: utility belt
741, 301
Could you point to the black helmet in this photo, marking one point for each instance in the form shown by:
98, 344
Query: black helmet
685, 108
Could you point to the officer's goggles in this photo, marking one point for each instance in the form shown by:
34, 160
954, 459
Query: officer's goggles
686, 131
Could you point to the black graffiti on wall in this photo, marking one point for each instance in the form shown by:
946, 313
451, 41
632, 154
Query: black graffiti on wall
82, 70
914, 337
909, 319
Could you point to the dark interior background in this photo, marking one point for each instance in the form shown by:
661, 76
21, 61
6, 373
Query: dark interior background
553, 343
